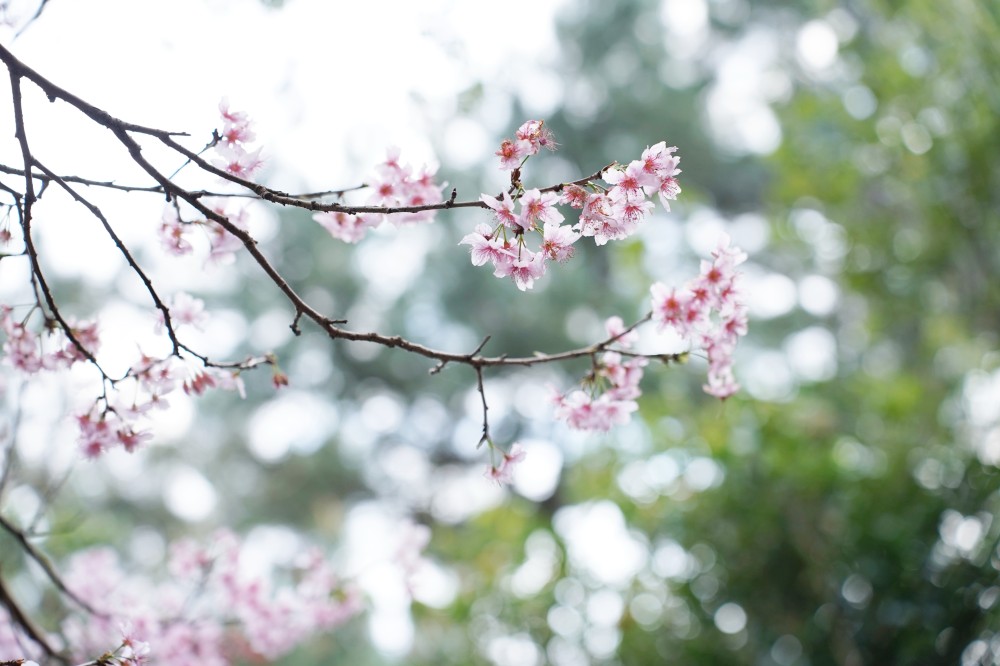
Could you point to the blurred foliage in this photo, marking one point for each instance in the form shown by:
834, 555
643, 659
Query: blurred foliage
834, 529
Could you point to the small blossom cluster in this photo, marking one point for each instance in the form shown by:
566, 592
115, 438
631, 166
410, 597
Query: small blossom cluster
176, 235
529, 138
208, 612
234, 157
610, 391
25, 349
615, 213
502, 470
709, 313
118, 421
115, 420
395, 185
606, 213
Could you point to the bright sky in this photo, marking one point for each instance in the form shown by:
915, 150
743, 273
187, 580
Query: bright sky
325, 81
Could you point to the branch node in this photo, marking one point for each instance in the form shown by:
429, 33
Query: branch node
295, 323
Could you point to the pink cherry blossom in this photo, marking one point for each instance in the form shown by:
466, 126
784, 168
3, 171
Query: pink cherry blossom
537, 206
210, 611
512, 153
669, 189
503, 210
582, 412
557, 242
486, 246
503, 472
524, 267
237, 161
394, 185
615, 328
229, 116
172, 233
574, 196
184, 310
224, 245
348, 228
537, 135
709, 314
627, 182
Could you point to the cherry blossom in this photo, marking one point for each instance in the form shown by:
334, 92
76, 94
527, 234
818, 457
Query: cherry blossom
709, 314
503, 210
609, 395
486, 246
234, 156
511, 154
184, 310
557, 242
524, 267
172, 233
345, 227
224, 245
536, 135
394, 185
537, 207
234, 159
209, 611
606, 213
503, 471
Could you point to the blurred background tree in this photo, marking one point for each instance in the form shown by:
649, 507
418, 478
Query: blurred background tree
840, 510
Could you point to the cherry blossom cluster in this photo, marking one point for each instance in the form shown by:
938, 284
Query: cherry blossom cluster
31, 352
209, 611
709, 313
529, 138
393, 185
606, 213
610, 390
114, 421
615, 213
233, 154
177, 236
116, 418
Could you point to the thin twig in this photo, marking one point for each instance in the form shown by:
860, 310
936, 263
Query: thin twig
486, 409
133, 264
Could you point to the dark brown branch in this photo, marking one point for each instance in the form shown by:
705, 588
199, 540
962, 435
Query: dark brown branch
85, 181
285, 199
25, 210
122, 130
158, 189
133, 264
18, 69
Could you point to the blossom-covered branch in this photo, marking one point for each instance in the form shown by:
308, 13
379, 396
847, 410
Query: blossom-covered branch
207, 601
